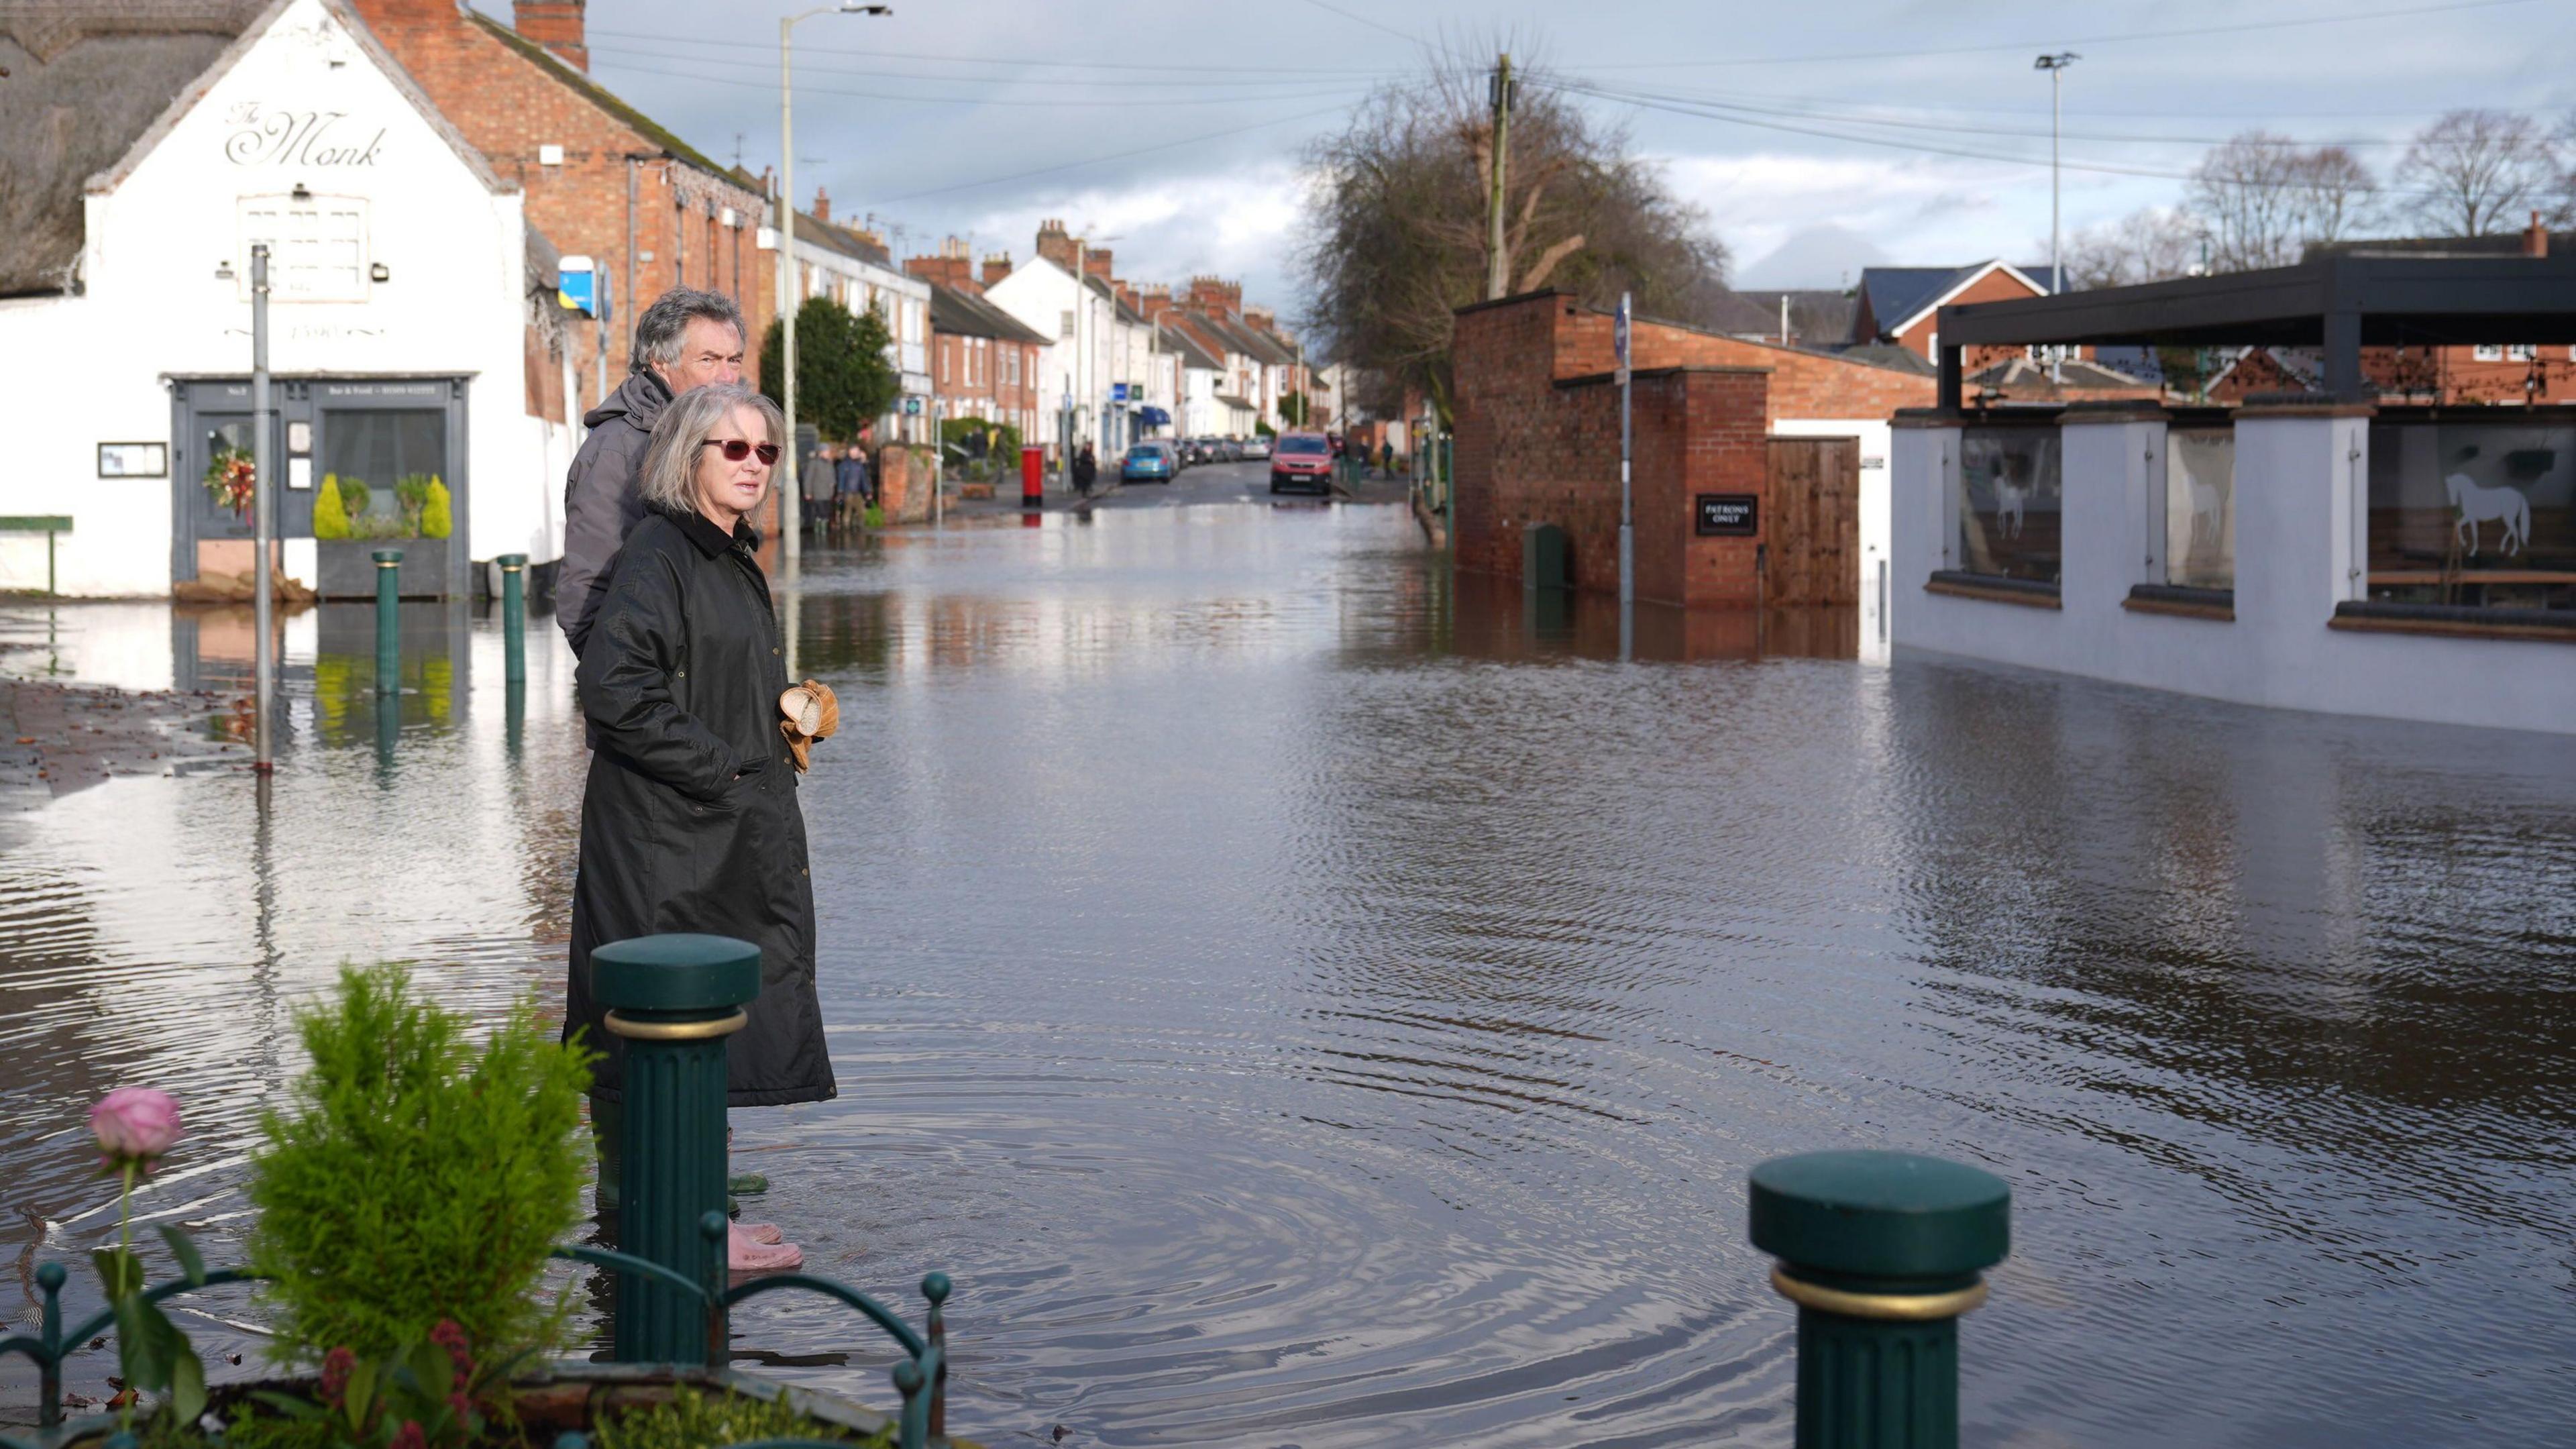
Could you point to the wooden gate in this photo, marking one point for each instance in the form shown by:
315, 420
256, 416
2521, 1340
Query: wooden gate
1813, 532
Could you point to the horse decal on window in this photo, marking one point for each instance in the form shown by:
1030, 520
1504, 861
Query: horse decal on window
2473, 504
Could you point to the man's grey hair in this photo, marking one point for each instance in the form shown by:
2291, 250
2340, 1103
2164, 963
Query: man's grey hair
669, 479
665, 325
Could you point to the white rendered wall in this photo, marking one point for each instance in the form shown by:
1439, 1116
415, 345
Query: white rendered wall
93, 367
1876, 525
2300, 492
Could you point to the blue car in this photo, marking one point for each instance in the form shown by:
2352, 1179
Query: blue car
1148, 463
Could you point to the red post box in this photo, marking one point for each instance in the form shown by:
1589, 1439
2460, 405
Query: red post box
1032, 477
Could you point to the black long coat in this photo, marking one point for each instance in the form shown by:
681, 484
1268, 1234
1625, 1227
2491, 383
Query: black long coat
689, 821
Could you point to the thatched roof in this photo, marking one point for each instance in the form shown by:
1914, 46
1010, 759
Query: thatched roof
86, 77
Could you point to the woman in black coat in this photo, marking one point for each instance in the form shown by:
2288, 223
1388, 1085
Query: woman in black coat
689, 821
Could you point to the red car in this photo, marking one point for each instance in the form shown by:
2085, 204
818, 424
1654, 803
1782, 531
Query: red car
1302, 459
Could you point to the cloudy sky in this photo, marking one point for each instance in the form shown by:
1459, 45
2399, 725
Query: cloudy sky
1818, 137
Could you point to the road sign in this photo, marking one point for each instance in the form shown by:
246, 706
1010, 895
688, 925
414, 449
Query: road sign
912, 407
576, 285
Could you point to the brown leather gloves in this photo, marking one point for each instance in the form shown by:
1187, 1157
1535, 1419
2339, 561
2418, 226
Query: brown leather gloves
812, 714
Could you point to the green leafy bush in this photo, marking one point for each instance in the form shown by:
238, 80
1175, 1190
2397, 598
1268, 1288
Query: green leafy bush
695, 1420
437, 515
330, 515
355, 495
417, 1176
411, 495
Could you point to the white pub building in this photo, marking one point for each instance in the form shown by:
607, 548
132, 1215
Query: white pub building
413, 333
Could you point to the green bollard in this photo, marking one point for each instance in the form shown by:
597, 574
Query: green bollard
673, 1000
514, 618
388, 620
1881, 1251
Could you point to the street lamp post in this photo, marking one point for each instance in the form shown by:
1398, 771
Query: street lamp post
790, 284
2056, 66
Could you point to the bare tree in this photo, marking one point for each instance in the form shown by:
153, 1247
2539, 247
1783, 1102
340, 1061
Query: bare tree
2151, 244
2253, 194
2474, 172
1395, 235
2334, 195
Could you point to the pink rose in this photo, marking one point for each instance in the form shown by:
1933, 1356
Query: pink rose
135, 1124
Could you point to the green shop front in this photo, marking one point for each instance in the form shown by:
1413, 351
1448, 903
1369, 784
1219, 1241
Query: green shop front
368, 463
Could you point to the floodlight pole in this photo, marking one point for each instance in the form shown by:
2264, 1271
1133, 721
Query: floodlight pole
2055, 65
263, 497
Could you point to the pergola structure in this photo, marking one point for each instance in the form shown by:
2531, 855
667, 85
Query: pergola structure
2340, 302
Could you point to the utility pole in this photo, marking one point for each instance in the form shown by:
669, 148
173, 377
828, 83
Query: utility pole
263, 496
790, 281
1497, 267
1621, 335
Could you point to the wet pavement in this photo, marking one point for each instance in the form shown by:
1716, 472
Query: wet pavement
1303, 1003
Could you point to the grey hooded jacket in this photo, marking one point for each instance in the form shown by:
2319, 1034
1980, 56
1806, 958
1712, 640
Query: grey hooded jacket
602, 502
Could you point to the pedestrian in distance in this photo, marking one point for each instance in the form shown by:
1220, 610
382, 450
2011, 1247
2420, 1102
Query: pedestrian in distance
689, 820
850, 485
686, 339
1385, 458
1086, 468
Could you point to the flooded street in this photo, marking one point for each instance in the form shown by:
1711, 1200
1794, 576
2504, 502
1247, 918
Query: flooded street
1305, 1004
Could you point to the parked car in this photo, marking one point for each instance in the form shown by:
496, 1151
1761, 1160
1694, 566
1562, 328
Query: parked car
1256, 447
1231, 449
1149, 462
1304, 460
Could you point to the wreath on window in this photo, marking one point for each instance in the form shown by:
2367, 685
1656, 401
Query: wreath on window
229, 479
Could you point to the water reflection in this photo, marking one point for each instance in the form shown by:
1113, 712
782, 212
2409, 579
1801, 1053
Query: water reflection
1302, 1002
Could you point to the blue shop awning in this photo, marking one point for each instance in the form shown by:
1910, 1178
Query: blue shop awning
1153, 417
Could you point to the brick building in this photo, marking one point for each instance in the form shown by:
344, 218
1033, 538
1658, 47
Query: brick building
1537, 430
600, 177
1900, 306
985, 361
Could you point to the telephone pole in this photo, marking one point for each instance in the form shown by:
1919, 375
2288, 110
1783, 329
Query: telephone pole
1497, 266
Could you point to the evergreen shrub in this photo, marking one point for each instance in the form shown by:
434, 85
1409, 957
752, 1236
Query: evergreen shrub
695, 1420
437, 512
330, 516
417, 1176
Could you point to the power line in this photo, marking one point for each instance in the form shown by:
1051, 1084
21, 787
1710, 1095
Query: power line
1915, 51
1056, 104
1920, 123
688, 53
1159, 68
1112, 156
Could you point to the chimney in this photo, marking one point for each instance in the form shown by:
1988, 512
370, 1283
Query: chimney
1209, 294
1055, 244
996, 267
1127, 295
1260, 317
822, 204
1095, 260
951, 268
556, 25
2535, 242
1154, 301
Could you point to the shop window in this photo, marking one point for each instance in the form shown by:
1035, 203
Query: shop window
2009, 502
384, 448
2200, 508
2474, 513
317, 247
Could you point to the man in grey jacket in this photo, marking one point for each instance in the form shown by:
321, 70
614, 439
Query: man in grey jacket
685, 340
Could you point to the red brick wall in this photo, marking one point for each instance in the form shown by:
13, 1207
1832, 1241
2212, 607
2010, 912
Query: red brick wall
508, 105
1803, 384
1535, 447
1994, 286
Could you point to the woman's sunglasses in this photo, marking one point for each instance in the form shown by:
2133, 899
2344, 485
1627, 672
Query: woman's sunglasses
735, 450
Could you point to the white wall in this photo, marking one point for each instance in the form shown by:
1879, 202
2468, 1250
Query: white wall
92, 368
2302, 481
1876, 526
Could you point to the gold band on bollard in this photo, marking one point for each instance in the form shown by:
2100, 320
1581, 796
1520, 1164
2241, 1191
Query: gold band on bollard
634, 1030
1901, 1307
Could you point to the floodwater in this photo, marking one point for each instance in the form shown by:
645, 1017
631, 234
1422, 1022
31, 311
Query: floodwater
1304, 1005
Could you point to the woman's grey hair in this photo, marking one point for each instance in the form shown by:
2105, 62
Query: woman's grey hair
665, 324
669, 479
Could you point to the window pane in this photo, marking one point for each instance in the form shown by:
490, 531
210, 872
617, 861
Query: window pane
2009, 501
2200, 507
380, 447
2473, 513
